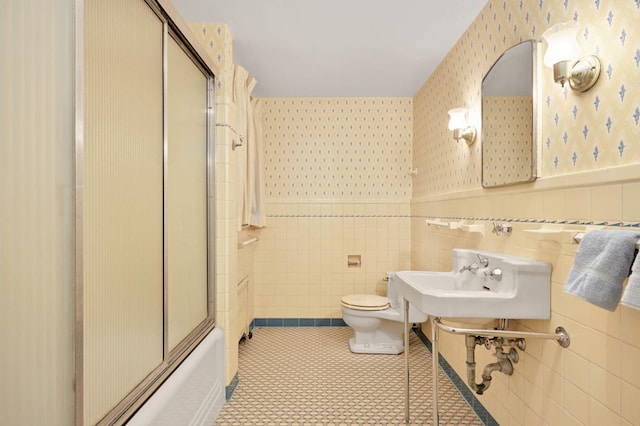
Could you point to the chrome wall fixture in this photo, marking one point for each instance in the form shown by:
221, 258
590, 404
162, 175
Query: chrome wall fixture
502, 228
234, 144
564, 54
461, 129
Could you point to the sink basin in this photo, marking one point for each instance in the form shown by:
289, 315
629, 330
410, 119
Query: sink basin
521, 292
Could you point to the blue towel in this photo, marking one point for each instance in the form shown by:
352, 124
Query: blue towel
631, 297
600, 267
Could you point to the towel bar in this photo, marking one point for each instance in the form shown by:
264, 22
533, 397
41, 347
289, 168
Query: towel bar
245, 243
578, 237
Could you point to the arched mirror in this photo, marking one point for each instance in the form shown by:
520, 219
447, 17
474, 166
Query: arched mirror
509, 102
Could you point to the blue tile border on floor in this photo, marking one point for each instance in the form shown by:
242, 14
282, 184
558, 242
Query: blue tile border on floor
229, 390
297, 322
275, 322
482, 413
307, 322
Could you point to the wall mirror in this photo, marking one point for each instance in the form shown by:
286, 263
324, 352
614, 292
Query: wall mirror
509, 117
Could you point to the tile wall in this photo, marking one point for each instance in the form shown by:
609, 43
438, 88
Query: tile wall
301, 268
337, 183
590, 173
218, 42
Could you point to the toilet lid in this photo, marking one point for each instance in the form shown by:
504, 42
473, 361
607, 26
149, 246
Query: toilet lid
365, 302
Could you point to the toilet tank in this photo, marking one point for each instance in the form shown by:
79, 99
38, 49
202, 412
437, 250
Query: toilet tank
392, 293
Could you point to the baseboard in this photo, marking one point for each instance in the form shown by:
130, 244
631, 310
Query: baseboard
297, 322
231, 387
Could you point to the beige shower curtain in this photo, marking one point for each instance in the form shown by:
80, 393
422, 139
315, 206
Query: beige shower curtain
249, 171
255, 171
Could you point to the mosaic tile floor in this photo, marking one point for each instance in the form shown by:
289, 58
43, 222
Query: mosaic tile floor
308, 376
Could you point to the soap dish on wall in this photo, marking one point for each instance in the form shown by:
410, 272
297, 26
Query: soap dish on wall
437, 222
463, 226
473, 228
559, 235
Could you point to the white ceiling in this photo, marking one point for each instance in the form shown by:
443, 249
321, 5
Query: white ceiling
337, 48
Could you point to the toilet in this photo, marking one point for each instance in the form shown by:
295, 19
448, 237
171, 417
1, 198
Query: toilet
377, 321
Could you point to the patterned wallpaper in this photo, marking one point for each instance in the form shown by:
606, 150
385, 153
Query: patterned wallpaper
581, 132
338, 148
216, 38
507, 132
596, 129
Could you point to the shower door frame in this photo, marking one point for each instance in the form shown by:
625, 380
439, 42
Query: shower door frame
174, 27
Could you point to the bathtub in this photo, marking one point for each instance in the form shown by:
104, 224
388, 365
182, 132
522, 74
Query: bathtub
194, 394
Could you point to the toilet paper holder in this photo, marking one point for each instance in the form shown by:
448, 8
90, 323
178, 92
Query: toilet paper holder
354, 261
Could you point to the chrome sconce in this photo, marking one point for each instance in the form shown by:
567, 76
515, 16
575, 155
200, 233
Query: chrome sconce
458, 123
564, 55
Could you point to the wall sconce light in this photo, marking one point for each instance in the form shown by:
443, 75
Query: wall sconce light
458, 123
564, 55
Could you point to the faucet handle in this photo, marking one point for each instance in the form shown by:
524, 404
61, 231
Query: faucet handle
483, 260
499, 228
496, 274
471, 268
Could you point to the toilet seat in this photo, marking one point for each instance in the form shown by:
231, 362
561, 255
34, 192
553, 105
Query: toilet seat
365, 302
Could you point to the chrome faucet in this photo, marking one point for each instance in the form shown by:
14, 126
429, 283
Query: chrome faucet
484, 262
472, 268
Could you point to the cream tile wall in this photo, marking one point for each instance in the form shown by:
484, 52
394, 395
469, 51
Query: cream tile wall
217, 40
590, 173
337, 184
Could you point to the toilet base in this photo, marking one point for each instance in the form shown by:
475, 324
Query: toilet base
391, 348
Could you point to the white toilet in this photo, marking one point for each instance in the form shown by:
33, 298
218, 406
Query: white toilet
378, 321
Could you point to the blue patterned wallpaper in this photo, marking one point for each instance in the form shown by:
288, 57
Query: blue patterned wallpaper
347, 148
580, 132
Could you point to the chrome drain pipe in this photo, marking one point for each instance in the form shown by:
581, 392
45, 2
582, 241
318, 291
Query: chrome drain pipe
504, 363
479, 388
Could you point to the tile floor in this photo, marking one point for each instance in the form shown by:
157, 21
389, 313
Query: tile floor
308, 376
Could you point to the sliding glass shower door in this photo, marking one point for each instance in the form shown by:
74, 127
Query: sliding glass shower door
144, 206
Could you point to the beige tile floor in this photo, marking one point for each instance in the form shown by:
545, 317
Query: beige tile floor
308, 376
